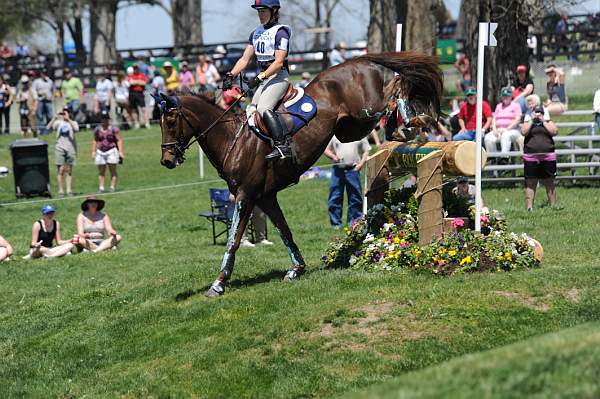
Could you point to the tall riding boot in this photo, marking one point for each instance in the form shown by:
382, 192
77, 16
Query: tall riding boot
280, 150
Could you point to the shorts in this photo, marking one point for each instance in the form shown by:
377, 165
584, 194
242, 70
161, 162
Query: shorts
107, 157
136, 99
65, 156
539, 169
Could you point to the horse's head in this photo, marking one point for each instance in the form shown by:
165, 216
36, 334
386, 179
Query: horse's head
175, 134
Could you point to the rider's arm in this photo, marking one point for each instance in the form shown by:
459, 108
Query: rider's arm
277, 65
243, 62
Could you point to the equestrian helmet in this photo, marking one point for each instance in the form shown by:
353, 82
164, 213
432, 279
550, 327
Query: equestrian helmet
270, 4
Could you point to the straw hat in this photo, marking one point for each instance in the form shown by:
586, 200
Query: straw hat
92, 198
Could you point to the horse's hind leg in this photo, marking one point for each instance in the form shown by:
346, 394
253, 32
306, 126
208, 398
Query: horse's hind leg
241, 214
270, 206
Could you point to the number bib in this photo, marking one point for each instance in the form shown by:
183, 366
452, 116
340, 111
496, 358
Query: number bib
264, 42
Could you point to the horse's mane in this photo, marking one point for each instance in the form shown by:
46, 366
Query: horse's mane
420, 78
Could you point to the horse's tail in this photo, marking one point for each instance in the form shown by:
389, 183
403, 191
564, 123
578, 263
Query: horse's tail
421, 79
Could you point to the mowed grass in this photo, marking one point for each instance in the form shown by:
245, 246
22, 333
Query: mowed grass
133, 323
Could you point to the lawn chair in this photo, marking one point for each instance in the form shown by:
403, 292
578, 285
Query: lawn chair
221, 211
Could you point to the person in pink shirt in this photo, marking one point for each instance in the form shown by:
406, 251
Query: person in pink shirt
505, 123
186, 77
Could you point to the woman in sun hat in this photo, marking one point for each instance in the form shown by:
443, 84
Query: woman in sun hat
94, 228
45, 233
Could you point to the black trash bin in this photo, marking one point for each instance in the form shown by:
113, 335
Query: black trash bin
30, 167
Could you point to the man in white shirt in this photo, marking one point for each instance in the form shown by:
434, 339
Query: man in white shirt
348, 159
104, 88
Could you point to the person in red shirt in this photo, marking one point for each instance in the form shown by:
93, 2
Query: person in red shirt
137, 85
467, 116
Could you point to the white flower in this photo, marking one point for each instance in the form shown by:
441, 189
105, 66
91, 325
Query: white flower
352, 260
387, 226
371, 247
514, 236
370, 237
485, 210
385, 266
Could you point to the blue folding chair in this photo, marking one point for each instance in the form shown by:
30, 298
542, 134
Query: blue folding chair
221, 211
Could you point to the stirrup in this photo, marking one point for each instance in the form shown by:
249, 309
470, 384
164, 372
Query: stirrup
280, 151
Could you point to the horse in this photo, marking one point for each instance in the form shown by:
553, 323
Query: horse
350, 97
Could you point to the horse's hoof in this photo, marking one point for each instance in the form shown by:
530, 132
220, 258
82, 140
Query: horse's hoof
215, 290
293, 274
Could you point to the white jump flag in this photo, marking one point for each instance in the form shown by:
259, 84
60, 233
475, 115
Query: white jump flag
486, 38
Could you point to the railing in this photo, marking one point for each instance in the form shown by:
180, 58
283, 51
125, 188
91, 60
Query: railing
582, 38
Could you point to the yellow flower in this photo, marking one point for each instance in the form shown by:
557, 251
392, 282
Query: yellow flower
441, 251
397, 254
452, 252
467, 259
396, 240
507, 256
418, 252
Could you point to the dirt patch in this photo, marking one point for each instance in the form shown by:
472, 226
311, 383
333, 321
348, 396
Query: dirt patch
535, 303
573, 295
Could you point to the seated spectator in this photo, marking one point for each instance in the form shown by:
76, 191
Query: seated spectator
338, 54
186, 77
555, 88
171, 78
22, 50
539, 156
505, 122
5, 51
44, 233
463, 66
522, 87
94, 228
65, 148
439, 133
467, 116
597, 107
6, 249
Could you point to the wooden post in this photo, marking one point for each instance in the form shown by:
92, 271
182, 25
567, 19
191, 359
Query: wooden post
429, 195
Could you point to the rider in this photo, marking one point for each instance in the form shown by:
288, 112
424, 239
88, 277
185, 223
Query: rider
270, 43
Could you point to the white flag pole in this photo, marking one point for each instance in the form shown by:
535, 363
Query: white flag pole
486, 38
201, 161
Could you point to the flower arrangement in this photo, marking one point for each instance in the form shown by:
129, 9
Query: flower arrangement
387, 238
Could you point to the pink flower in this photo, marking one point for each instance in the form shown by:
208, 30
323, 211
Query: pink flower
458, 223
485, 219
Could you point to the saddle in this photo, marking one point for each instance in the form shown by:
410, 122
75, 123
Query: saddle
294, 111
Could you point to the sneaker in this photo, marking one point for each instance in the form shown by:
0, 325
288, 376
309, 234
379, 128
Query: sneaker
112, 189
247, 244
61, 194
101, 190
70, 194
265, 242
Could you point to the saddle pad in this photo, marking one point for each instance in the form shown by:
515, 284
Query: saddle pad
301, 110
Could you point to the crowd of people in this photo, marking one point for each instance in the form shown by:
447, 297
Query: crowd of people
94, 233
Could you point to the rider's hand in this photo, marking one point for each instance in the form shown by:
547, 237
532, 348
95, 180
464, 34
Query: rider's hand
227, 81
254, 82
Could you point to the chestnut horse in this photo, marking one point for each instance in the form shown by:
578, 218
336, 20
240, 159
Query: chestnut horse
351, 98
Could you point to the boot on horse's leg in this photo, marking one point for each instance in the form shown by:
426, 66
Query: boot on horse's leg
281, 149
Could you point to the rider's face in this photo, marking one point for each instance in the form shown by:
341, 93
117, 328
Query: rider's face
264, 14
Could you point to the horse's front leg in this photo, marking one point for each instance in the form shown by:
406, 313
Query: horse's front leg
241, 214
270, 206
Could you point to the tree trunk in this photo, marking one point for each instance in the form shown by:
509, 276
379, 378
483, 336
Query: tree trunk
382, 25
318, 42
102, 31
420, 25
77, 33
513, 18
186, 16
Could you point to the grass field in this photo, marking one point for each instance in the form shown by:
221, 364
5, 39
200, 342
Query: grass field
133, 323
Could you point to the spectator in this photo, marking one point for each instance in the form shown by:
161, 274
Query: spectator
94, 226
137, 85
22, 50
103, 97
229, 97
65, 148
464, 189
561, 38
220, 58
306, 78
27, 99
44, 90
5, 51
539, 157
143, 66
171, 78
186, 77
467, 116
6, 100
6, 249
597, 107
122, 96
158, 83
44, 233
72, 92
259, 223
522, 87
532, 46
337, 54
348, 159
556, 91
505, 122
463, 66
207, 74
107, 149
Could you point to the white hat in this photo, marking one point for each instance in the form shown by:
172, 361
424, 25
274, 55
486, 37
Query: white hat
342, 45
220, 49
305, 75
24, 79
167, 64
129, 70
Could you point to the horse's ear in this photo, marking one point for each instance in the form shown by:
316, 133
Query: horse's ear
170, 101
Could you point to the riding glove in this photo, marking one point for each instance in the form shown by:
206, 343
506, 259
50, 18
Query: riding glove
255, 82
228, 81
